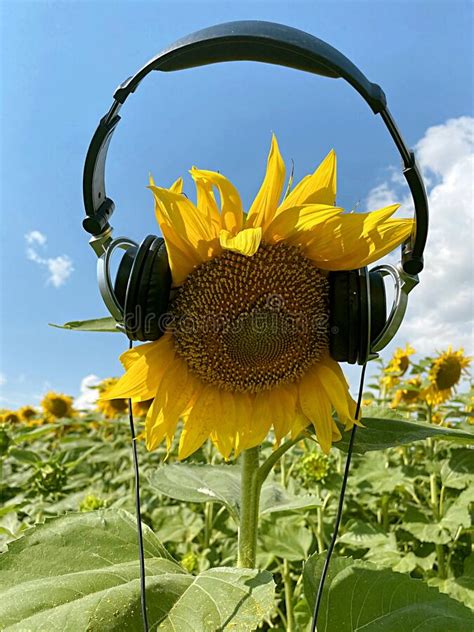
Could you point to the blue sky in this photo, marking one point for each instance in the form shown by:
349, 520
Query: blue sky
61, 62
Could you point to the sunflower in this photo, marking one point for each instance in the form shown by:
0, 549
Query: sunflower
27, 413
247, 346
10, 417
397, 367
445, 373
110, 408
57, 406
140, 409
411, 394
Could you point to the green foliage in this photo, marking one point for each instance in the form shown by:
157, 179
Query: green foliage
221, 484
380, 600
404, 548
100, 325
83, 568
383, 432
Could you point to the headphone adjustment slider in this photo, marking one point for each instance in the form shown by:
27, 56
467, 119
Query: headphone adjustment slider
100, 243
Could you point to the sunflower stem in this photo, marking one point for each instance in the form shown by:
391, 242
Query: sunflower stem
288, 584
249, 506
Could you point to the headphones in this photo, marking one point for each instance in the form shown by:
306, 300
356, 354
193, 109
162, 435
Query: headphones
139, 297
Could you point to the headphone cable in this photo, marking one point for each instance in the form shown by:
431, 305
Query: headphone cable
340, 507
138, 514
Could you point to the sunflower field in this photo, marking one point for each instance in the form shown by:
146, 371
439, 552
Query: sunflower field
403, 559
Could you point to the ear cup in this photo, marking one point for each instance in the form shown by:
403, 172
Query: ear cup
344, 317
153, 298
357, 305
378, 304
148, 289
132, 314
123, 275
139, 296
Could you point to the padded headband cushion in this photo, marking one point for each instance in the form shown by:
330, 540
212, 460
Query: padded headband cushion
344, 315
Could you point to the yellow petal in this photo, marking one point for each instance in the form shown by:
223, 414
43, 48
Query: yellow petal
182, 258
231, 205
243, 414
283, 409
317, 188
206, 201
297, 225
316, 407
299, 423
260, 422
176, 390
176, 187
246, 241
266, 202
332, 380
154, 430
203, 418
145, 366
354, 240
196, 233
336, 433
225, 431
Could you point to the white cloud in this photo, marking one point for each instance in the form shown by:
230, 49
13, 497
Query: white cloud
88, 395
3, 379
440, 309
59, 268
35, 237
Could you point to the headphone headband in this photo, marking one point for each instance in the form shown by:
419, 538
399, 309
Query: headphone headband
252, 41
257, 41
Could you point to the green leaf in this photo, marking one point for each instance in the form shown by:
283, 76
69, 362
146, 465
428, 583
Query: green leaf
443, 531
275, 499
200, 483
381, 433
287, 538
460, 588
222, 599
359, 596
361, 534
458, 472
24, 456
410, 561
80, 572
107, 324
382, 478
191, 482
176, 523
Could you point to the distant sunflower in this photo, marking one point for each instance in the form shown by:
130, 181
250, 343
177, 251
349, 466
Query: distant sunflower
10, 417
110, 408
57, 406
140, 409
397, 367
248, 347
27, 413
411, 394
445, 373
